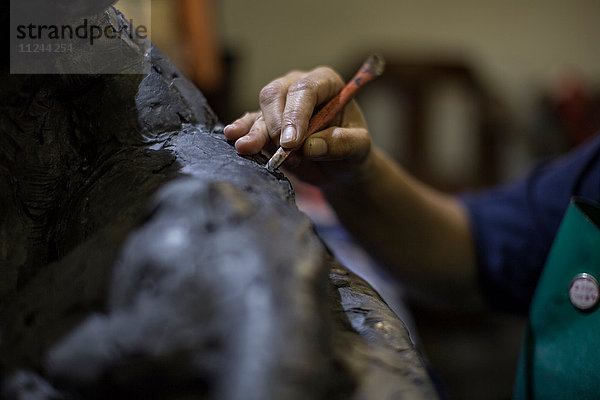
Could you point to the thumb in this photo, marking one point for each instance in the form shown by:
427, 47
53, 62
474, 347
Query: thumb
336, 143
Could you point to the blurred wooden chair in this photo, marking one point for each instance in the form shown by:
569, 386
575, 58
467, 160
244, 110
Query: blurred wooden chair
420, 96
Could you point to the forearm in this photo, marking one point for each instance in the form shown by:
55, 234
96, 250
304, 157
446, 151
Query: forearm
420, 234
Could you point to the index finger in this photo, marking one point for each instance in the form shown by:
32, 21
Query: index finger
272, 102
303, 96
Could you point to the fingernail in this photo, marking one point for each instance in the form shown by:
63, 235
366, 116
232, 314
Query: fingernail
243, 139
227, 128
288, 135
317, 147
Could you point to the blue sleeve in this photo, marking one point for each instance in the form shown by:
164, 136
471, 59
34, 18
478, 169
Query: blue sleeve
514, 225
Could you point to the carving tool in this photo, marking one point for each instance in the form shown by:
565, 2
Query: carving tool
371, 69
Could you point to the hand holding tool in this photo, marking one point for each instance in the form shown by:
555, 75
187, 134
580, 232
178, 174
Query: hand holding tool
371, 69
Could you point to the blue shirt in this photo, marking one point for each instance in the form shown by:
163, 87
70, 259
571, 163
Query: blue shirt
514, 225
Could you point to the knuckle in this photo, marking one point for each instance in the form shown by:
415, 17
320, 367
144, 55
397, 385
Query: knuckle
271, 92
343, 140
352, 143
330, 74
274, 129
257, 127
303, 85
324, 70
292, 117
340, 135
294, 74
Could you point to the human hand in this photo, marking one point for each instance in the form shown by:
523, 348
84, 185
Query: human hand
336, 154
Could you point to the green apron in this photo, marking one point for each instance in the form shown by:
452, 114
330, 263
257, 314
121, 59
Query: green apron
560, 358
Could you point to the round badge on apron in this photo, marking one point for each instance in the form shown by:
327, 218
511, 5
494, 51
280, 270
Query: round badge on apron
584, 291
